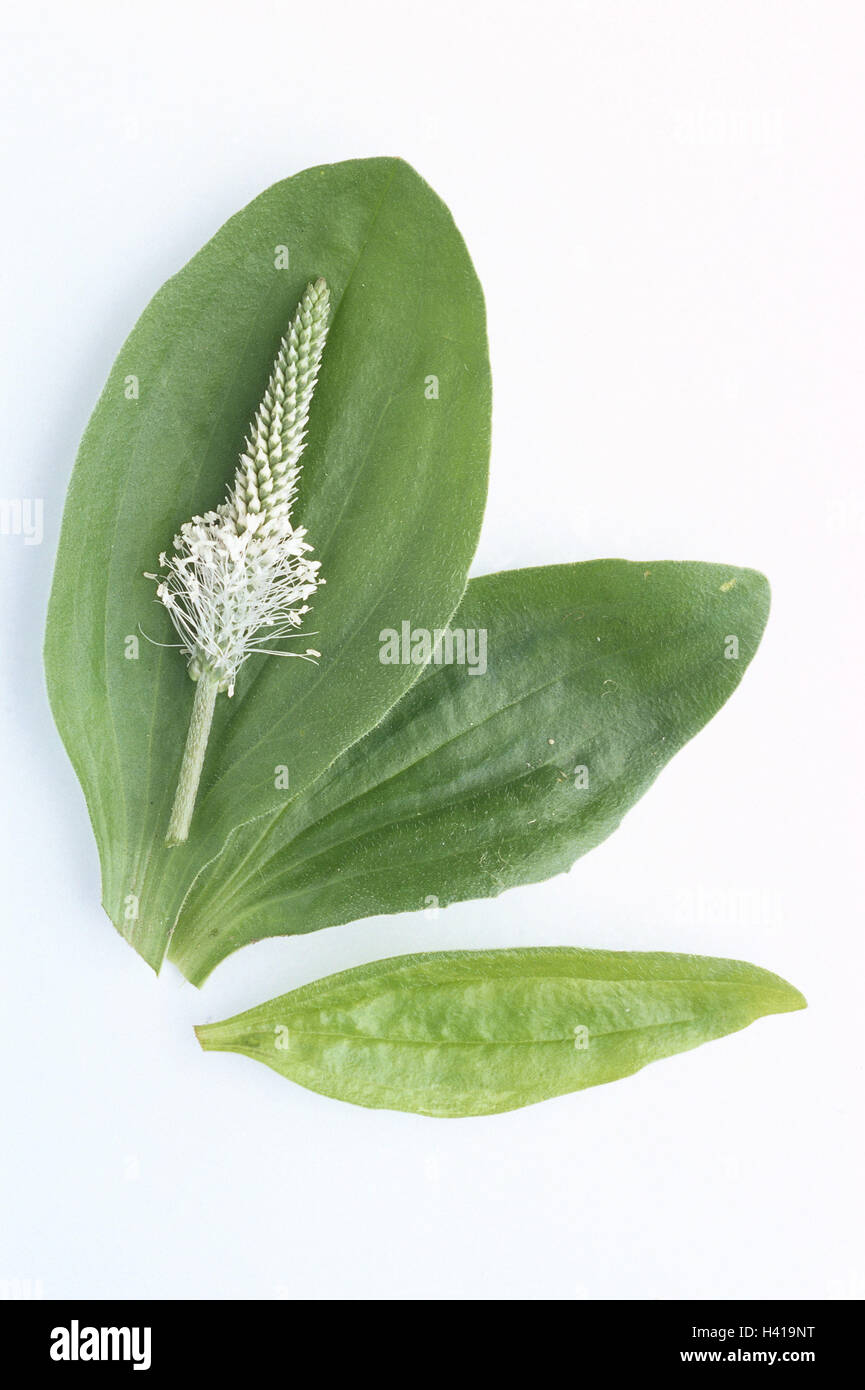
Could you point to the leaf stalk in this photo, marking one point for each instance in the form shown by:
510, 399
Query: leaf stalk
206, 689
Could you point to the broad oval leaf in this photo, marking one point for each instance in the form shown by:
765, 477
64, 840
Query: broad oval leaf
596, 674
392, 494
479, 1032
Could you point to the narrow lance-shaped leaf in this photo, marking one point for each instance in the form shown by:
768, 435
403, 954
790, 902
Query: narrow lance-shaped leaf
500, 772
392, 493
479, 1032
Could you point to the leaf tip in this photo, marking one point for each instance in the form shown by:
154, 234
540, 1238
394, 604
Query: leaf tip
788, 999
796, 999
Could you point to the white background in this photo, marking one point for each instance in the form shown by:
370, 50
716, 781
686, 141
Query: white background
664, 203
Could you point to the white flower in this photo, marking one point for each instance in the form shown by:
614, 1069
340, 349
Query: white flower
240, 577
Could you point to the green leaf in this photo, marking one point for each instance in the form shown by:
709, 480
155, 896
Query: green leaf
392, 494
479, 1032
597, 674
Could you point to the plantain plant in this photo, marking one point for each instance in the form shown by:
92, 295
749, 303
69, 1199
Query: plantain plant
457, 1033
305, 410
392, 491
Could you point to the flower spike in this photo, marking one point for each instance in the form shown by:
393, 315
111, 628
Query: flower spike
239, 577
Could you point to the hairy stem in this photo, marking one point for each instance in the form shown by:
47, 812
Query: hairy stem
193, 758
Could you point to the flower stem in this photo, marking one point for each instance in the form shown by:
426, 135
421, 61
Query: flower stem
193, 758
